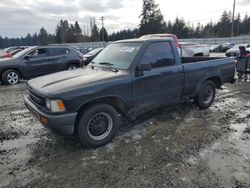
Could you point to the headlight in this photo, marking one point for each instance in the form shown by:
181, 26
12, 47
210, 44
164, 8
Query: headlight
55, 105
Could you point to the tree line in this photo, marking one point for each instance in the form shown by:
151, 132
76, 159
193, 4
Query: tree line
152, 21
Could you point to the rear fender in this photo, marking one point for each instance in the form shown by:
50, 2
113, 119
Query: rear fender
216, 79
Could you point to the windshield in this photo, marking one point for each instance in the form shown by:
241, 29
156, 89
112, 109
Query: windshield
95, 51
22, 53
117, 55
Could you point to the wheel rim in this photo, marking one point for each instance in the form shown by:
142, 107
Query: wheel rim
99, 126
12, 78
72, 68
208, 95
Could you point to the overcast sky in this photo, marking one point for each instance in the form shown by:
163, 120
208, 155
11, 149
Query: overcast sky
19, 17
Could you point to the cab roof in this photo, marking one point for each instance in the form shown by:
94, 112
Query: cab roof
155, 39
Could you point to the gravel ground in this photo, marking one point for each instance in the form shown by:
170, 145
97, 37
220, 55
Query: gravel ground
178, 147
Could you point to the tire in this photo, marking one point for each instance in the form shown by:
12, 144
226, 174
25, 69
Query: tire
206, 95
91, 133
10, 77
72, 67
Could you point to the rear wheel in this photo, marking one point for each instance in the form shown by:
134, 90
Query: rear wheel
206, 95
98, 125
10, 77
72, 67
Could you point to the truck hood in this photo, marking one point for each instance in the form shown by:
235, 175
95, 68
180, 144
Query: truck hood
57, 83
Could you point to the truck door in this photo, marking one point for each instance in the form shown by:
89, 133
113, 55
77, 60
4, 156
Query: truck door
163, 83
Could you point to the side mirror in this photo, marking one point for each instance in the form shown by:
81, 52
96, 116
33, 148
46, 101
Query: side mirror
27, 57
145, 67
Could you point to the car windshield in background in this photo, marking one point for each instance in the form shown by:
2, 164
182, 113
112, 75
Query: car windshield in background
22, 53
95, 51
117, 55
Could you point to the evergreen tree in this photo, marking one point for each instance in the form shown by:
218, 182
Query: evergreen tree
197, 32
169, 27
59, 32
223, 27
180, 29
78, 29
94, 34
151, 18
208, 30
124, 34
237, 24
43, 37
103, 34
28, 40
246, 25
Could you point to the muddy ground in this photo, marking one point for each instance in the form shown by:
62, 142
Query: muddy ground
178, 147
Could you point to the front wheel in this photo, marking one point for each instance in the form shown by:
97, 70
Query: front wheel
10, 77
98, 125
206, 95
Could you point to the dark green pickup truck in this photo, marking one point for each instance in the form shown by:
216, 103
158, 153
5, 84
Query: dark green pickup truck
127, 78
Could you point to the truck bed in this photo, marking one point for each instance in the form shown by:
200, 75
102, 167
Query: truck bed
197, 69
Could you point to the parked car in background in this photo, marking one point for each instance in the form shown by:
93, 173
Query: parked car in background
83, 50
10, 54
221, 47
87, 58
215, 48
248, 50
127, 78
190, 49
13, 48
235, 51
187, 51
37, 61
227, 46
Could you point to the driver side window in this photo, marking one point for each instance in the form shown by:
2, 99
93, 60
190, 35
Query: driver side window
159, 54
38, 53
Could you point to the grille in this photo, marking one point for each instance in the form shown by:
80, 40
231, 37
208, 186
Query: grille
35, 98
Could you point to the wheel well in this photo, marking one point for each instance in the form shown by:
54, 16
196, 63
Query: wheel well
216, 80
21, 76
198, 54
115, 102
74, 63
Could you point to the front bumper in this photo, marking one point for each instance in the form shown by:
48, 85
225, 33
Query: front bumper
64, 124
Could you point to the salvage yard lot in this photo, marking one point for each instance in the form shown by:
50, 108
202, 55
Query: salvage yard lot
178, 147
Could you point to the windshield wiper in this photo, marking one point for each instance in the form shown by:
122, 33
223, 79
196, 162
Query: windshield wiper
109, 66
106, 63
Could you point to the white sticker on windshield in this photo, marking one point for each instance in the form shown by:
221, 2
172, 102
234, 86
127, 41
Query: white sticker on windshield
127, 49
